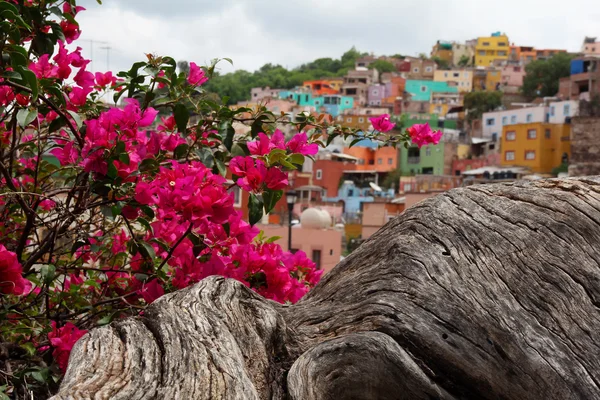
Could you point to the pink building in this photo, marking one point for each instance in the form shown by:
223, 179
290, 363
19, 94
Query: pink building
512, 75
259, 93
323, 246
590, 46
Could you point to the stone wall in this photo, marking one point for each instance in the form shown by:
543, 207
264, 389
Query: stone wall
585, 147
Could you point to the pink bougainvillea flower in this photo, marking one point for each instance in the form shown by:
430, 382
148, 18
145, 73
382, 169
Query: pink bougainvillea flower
196, 75
106, 79
84, 78
240, 165
151, 291
66, 155
11, 279
264, 145
167, 124
382, 123
22, 99
161, 74
47, 204
70, 30
421, 135
78, 96
43, 69
6, 95
299, 144
62, 341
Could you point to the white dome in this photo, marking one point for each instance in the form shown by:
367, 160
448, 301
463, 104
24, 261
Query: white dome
313, 218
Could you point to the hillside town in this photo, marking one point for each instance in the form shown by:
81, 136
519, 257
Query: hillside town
348, 193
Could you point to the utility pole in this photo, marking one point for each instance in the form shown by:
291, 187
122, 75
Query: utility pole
107, 48
91, 42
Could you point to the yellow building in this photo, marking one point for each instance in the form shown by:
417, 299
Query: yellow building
443, 50
491, 48
538, 146
462, 79
493, 79
335, 83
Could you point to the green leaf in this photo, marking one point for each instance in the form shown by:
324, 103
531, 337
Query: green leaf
270, 198
297, 159
79, 243
221, 168
76, 118
30, 348
146, 250
255, 209
17, 60
8, 6
112, 172
31, 80
51, 159
149, 164
124, 158
180, 151
107, 319
227, 132
145, 223
356, 141
182, 116
272, 239
148, 211
48, 272
25, 117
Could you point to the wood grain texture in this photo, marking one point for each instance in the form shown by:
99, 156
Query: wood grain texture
485, 292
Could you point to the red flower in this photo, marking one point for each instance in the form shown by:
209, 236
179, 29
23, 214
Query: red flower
299, 144
151, 291
22, 99
11, 280
43, 69
382, 123
421, 134
62, 340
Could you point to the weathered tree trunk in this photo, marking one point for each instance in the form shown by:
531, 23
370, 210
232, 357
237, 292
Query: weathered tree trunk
485, 292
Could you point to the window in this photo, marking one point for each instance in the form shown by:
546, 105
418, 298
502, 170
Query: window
416, 70
509, 156
530, 155
347, 102
390, 161
548, 133
490, 121
513, 119
567, 110
495, 136
407, 187
361, 119
511, 135
350, 192
237, 196
529, 117
481, 52
501, 44
255, 94
317, 102
375, 92
531, 134
319, 174
428, 151
379, 161
316, 258
348, 120
428, 170
455, 74
501, 53
504, 120
306, 97
552, 111
423, 89
428, 69
361, 162
493, 73
485, 44
466, 74
445, 74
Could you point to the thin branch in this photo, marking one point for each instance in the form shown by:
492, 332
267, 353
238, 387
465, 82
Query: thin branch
187, 232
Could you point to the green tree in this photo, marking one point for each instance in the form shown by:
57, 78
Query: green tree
443, 64
464, 61
382, 66
477, 103
542, 76
392, 179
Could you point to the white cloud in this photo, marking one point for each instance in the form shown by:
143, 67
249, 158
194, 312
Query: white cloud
290, 32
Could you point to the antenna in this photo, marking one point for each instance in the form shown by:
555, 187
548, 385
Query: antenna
91, 42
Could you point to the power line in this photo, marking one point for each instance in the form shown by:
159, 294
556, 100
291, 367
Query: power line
91, 42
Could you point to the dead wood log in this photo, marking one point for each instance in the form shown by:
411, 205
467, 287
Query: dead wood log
484, 292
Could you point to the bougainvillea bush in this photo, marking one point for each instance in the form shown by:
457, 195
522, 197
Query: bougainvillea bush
116, 189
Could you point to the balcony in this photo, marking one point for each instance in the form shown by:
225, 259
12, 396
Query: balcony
413, 160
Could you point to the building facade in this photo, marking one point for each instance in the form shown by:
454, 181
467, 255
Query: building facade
494, 122
461, 79
491, 48
537, 146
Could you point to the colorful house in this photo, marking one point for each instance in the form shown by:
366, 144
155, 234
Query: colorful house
461, 79
443, 51
538, 146
421, 90
320, 87
425, 160
491, 48
331, 104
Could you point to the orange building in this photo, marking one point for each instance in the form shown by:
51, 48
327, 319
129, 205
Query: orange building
320, 87
538, 146
526, 54
356, 121
384, 159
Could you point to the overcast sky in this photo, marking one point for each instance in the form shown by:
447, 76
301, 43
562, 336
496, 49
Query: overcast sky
291, 32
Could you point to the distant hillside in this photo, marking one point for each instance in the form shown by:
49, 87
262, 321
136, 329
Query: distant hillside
236, 85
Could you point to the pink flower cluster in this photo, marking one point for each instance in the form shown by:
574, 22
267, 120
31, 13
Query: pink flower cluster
62, 341
382, 123
298, 144
422, 134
